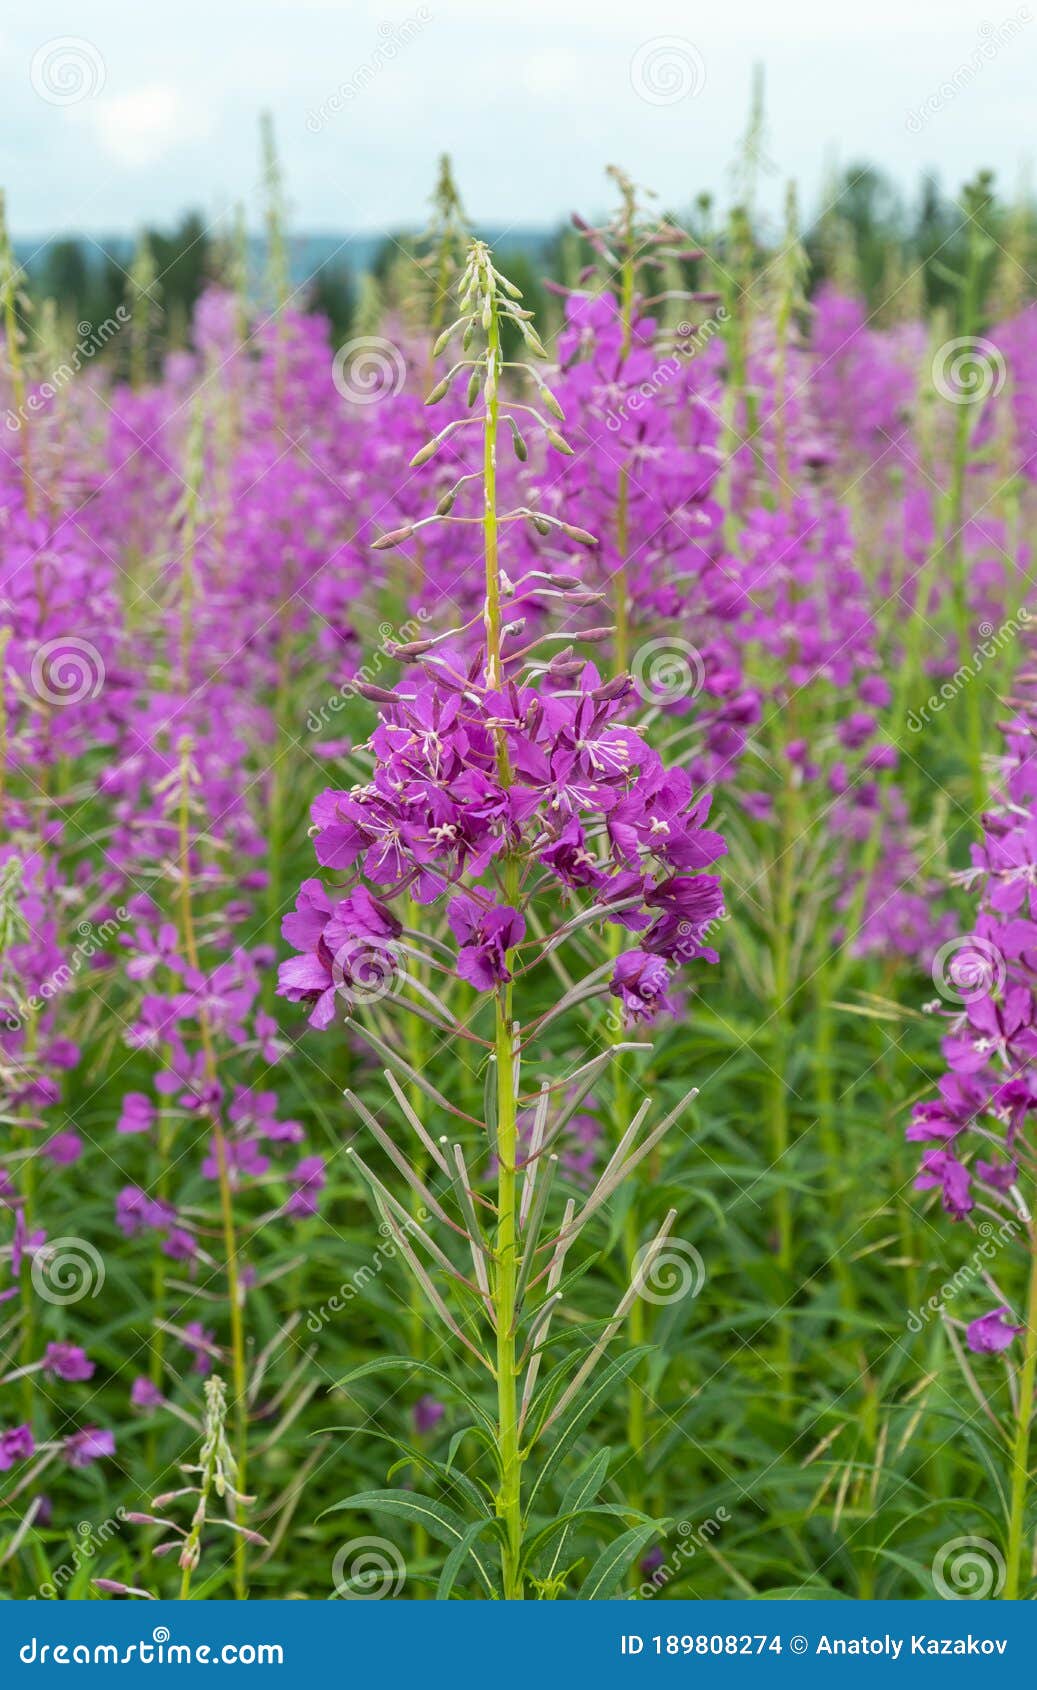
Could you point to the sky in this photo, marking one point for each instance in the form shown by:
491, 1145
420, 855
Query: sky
118, 113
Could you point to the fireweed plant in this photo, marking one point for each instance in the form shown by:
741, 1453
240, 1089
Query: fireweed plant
977, 1134
827, 574
509, 810
636, 378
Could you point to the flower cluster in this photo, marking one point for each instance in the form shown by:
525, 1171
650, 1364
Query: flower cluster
464, 774
978, 1132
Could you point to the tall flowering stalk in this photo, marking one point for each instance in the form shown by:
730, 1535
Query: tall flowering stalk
505, 794
645, 475
11, 297
978, 1134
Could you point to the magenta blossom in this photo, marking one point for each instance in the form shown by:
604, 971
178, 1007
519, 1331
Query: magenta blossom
143, 1394
485, 937
91, 1444
639, 981
16, 1444
992, 1332
67, 1361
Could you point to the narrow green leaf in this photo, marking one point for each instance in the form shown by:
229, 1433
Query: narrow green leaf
459, 1554
439, 1521
611, 1567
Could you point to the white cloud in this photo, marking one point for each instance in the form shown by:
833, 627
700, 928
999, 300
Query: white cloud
142, 127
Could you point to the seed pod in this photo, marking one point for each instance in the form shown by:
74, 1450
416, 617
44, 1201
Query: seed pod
439, 392
473, 389
427, 451
446, 503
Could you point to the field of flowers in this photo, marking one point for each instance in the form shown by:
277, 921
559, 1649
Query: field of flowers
518, 915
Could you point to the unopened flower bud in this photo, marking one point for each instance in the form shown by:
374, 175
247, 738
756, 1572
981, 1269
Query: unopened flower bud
579, 534
558, 443
518, 443
395, 537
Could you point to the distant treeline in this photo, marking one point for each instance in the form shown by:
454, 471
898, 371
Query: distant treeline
904, 259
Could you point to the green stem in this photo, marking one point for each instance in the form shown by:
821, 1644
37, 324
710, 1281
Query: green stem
620, 1087
779, 1102
1017, 1571
970, 312
230, 1244
509, 1498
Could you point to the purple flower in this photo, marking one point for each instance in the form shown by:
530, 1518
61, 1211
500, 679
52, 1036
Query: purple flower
639, 980
16, 1444
201, 1342
67, 1361
135, 1210
485, 937
689, 904
91, 1444
341, 944
940, 1168
138, 1113
143, 1394
427, 1415
992, 1332
63, 1149
311, 1179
